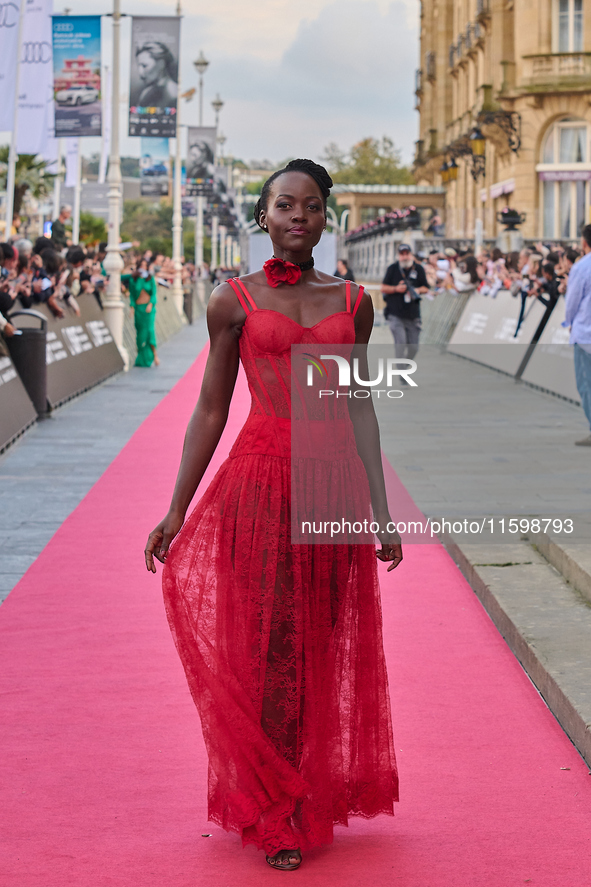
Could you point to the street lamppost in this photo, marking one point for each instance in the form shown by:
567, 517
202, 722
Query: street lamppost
217, 106
177, 214
112, 302
201, 64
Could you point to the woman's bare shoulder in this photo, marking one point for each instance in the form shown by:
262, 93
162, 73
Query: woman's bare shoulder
224, 308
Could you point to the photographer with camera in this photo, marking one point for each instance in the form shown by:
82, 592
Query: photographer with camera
404, 284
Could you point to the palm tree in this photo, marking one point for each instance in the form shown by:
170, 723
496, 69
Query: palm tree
30, 175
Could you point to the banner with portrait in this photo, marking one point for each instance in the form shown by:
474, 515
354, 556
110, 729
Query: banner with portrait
154, 167
153, 87
77, 75
200, 175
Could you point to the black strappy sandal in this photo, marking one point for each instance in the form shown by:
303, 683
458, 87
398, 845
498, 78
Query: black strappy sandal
287, 867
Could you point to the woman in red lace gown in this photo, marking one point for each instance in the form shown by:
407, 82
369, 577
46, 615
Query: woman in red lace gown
281, 642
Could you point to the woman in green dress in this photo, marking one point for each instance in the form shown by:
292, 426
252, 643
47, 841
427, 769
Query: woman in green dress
142, 299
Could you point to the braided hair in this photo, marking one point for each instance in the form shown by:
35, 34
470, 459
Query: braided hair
314, 170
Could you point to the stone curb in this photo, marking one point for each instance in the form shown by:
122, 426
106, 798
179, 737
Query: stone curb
572, 562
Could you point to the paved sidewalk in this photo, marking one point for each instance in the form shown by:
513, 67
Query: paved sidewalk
48, 472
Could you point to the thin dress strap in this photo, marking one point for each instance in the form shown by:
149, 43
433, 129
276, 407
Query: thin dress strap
237, 285
359, 297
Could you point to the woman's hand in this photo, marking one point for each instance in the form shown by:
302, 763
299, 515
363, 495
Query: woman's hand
149, 307
391, 549
160, 538
390, 552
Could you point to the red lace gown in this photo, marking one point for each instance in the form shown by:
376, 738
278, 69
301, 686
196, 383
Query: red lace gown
281, 643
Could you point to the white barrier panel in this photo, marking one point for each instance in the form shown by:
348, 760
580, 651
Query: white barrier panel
485, 331
16, 410
80, 349
551, 366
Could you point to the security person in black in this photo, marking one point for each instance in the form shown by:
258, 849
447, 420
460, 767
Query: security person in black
403, 285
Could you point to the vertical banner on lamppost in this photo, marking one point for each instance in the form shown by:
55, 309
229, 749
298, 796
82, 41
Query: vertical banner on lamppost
154, 167
35, 88
9, 13
77, 75
153, 88
201, 160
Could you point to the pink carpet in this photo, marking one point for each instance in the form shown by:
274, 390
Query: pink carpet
102, 763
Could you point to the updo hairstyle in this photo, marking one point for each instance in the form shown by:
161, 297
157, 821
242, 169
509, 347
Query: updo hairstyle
314, 170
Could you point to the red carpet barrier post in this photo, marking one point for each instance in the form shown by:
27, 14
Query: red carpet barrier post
16, 410
28, 348
80, 350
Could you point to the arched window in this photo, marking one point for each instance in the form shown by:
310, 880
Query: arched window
564, 173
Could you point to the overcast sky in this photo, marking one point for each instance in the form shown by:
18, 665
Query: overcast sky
294, 76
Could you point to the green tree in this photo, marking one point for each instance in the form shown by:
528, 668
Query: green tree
30, 175
254, 187
92, 229
369, 162
152, 226
130, 166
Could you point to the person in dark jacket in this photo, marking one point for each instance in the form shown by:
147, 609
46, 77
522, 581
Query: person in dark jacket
403, 285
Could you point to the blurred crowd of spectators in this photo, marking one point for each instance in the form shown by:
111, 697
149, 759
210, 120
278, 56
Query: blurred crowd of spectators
545, 272
40, 273
540, 271
54, 272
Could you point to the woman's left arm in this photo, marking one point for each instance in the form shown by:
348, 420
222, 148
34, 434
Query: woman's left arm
153, 291
367, 437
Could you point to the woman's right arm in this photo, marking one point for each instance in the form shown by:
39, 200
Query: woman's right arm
225, 318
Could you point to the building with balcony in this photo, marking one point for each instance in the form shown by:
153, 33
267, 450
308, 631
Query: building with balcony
504, 95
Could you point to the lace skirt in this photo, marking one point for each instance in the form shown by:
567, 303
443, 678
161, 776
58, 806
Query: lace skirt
282, 649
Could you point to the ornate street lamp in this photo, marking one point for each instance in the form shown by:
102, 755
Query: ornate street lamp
452, 170
478, 149
444, 171
217, 106
477, 142
201, 64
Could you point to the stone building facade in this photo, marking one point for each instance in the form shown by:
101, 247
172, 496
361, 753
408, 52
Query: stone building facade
519, 73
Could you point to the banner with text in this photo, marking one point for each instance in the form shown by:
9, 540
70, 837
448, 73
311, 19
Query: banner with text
77, 75
9, 13
153, 88
35, 88
80, 349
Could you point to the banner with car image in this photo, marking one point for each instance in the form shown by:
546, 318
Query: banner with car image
154, 167
77, 75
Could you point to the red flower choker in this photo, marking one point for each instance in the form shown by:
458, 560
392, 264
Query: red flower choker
278, 271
